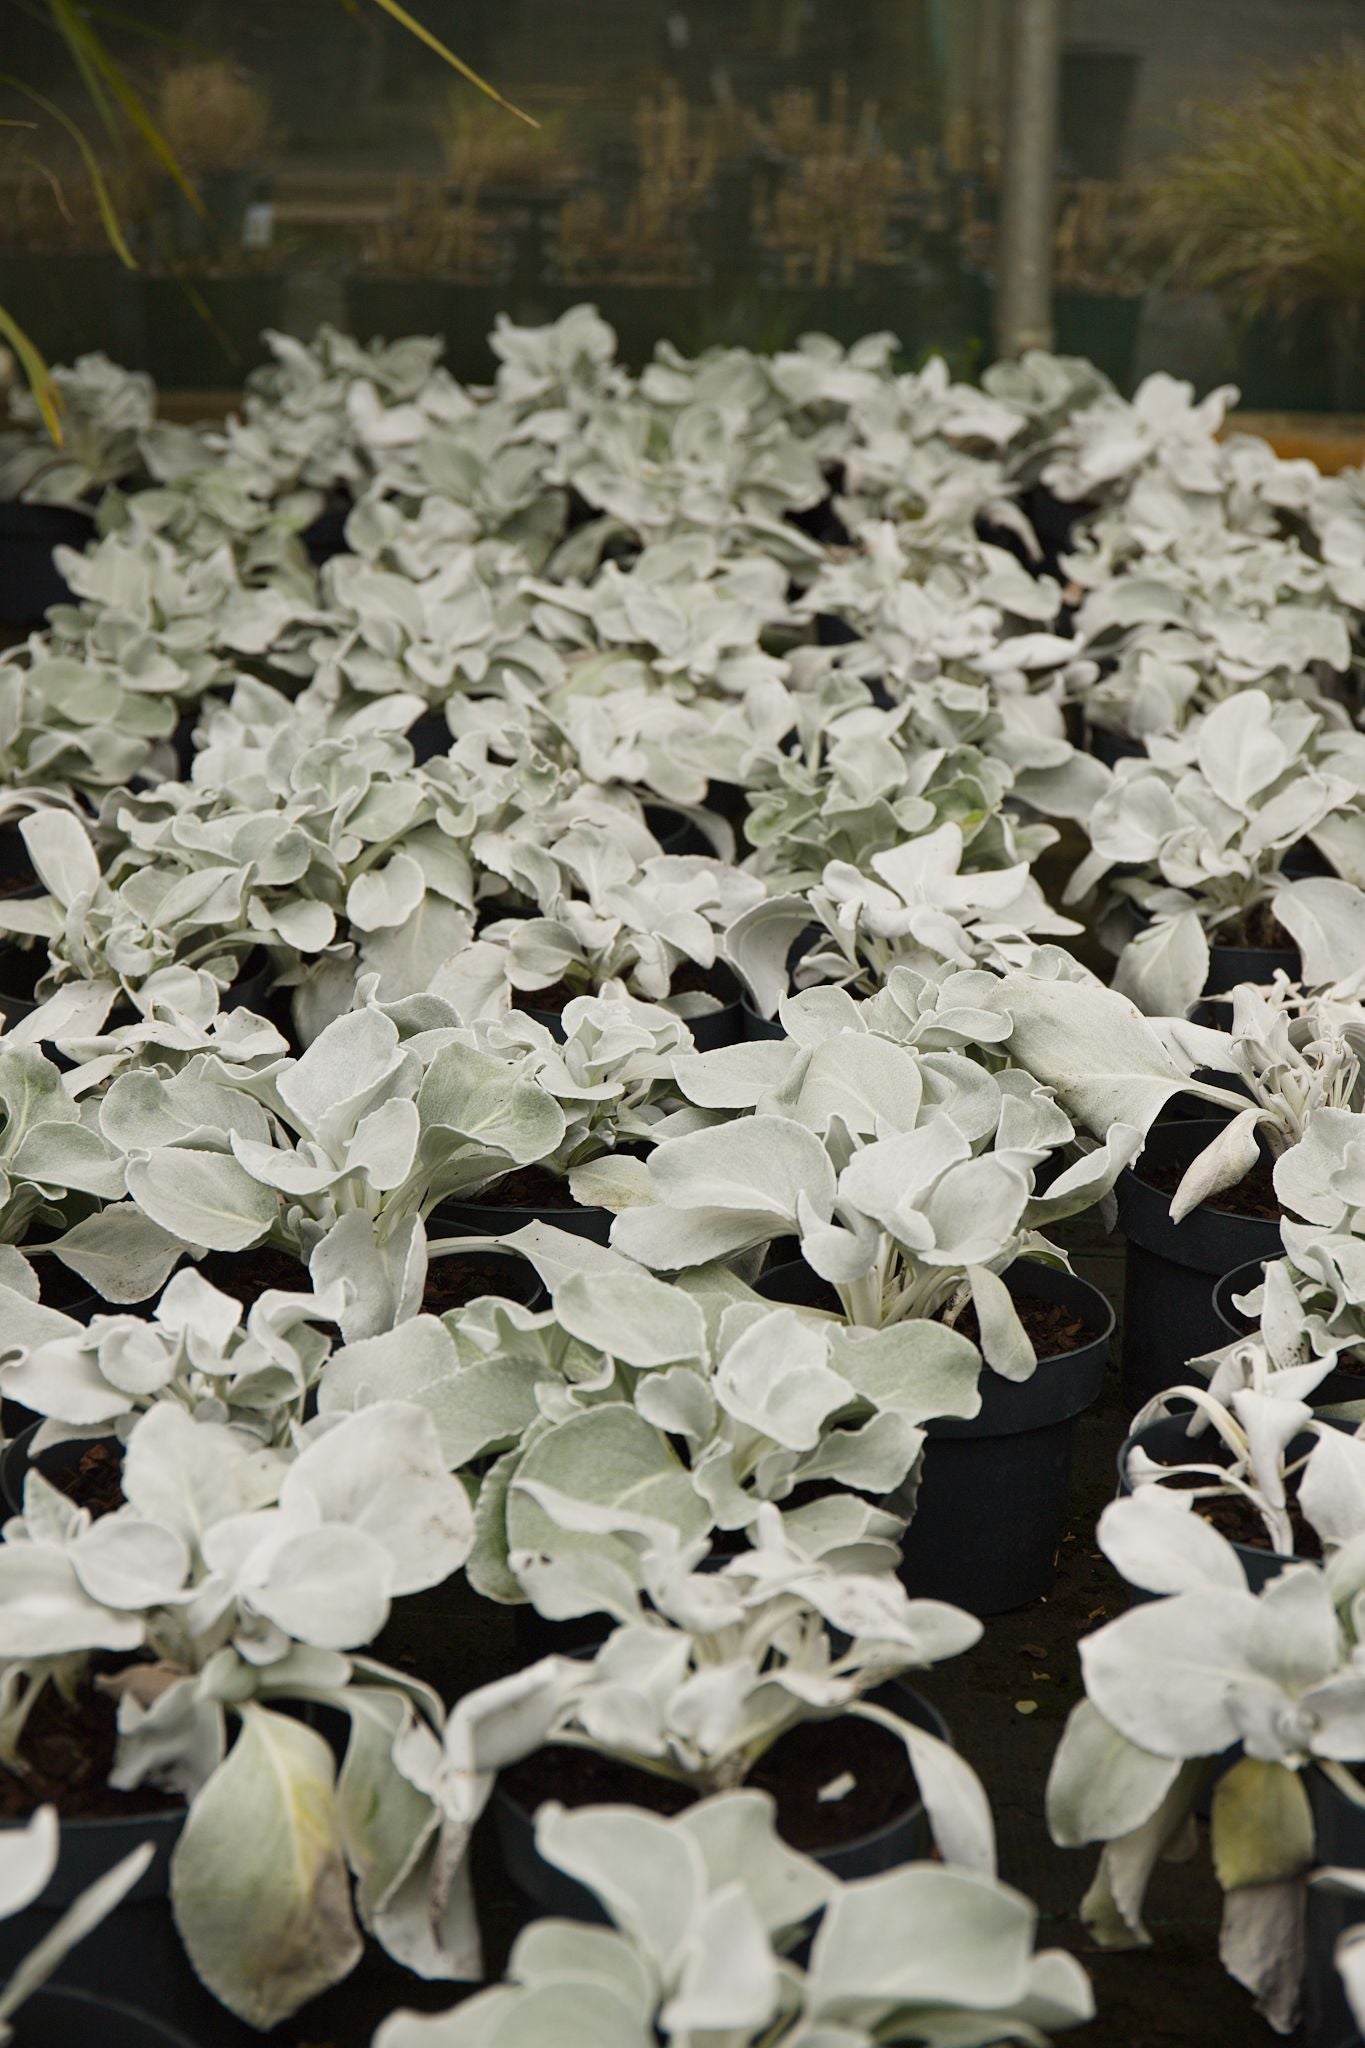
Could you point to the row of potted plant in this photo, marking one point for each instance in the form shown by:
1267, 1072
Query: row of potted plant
621, 861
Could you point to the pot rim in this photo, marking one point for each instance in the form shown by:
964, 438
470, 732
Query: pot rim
918, 1710
1260, 1552
159, 2033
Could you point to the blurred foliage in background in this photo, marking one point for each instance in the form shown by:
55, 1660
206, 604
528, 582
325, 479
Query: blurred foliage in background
704, 170
209, 119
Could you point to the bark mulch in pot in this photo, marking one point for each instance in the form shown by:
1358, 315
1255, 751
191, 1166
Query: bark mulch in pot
97, 1481
68, 1749
1052, 1328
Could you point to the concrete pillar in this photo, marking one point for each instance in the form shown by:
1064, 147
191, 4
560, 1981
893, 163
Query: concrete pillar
1023, 309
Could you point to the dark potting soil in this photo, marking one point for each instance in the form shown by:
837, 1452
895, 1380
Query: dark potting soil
551, 1000
1254, 1195
458, 1277
808, 1757
527, 1187
21, 969
1238, 1520
1051, 1327
97, 1482
1258, 928
68, 1751
246, 1276
688, 979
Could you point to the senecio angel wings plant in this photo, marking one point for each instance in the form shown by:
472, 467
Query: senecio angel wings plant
1175, 1683
234, 1587
253, 1371
106, 412
75, 729
1294, 1059
918, 906
892, 1140
1193, 839
716, 1399
1250, 1435
311, 853
56, 1168
706, 1670
701, 1910
341, 1154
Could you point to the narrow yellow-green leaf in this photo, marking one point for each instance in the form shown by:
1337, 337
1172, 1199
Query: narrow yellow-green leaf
101, 69
433, 42
38, 376
71, 30
103, 197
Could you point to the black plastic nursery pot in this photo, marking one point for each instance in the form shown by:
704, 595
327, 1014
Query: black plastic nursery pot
81, 2019
21, 965
1166, 1442
1230, 964
992, 1498
756, 1027
1168, 1312
1339, 1839
494, 1219
1113, 747
30, 581
906, 1838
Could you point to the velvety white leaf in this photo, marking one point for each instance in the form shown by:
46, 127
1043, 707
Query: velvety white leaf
1332, 1487
649, 1876
203, 1198
386, 896
632, 1317
128, 1563
972, 1947
775, 1380
1101, 1785
28, 1857
327, 1586
735, 1831
1164, 1674
48, 1614
1221, 1164
1164, 1548
59, 847
728, 1973
1325, 917
381, 1472
1163, 969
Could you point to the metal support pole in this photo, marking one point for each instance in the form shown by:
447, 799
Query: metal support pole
1023, 317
